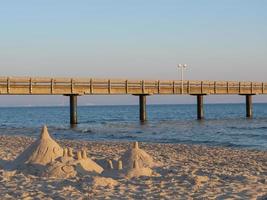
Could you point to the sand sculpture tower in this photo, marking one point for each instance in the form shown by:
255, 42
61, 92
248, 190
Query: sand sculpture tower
43, 151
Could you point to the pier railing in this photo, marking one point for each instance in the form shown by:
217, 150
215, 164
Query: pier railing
87, 86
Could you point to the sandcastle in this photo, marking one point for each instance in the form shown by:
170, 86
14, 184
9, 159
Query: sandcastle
58, 169
43, 151
45, 157
67, 155
62, 167
69, 166
135, 154
137, 162
134, 163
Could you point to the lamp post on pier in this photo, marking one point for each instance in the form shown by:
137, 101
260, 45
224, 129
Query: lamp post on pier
182, 67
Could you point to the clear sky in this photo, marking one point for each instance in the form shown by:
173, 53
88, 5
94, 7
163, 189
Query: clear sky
139, 39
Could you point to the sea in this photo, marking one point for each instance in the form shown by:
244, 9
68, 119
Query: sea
225, 125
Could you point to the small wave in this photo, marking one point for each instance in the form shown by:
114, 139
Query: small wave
3, 125
59, 128
89, 121
138, 132
203, 142
242, 135
121, 137
248, 128
86, 131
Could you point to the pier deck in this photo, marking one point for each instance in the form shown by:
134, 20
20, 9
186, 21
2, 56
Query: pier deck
74, 87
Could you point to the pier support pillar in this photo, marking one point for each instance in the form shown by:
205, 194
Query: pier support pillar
200, 110
142, 107
73, 109
249, 106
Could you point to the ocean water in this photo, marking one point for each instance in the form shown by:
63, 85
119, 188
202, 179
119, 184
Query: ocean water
224, 124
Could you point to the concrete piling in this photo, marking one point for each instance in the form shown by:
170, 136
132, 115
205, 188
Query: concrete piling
142, 107
73, 109
249, 106
200, 110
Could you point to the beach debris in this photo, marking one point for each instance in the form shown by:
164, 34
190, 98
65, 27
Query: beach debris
43, 151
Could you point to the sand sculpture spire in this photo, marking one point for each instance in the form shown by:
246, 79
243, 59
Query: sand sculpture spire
44, 133
65, 152
110, 164
43, 151
79, 155
119, 165
70, 152
84, 154
136, 145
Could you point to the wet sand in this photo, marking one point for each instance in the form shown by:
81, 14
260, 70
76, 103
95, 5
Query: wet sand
187, 172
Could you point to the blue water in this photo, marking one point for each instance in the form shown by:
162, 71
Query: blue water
224, 124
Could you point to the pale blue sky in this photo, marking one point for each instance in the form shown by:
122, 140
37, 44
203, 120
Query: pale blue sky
140, 39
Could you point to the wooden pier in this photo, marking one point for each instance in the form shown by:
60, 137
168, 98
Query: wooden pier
74, 87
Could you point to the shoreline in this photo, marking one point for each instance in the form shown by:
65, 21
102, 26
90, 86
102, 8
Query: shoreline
188, 171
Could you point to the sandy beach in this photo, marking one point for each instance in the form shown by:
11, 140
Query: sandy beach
186, 172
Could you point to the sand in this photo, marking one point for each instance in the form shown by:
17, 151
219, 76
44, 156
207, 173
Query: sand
186, 172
